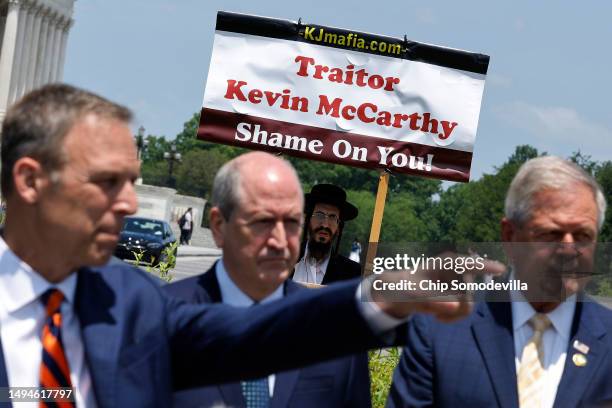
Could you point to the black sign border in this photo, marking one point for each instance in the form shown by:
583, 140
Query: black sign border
411, 50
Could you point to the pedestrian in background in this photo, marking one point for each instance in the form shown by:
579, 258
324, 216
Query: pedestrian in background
355, 254
186, 226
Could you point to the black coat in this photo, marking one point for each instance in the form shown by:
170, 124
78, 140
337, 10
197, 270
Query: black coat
341, 268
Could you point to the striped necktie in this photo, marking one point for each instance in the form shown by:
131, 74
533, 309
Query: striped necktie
54, 371
531, 369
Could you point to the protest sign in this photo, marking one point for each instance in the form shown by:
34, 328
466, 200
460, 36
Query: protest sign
343, 96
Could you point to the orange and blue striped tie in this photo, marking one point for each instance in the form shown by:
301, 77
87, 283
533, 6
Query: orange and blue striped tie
54, 371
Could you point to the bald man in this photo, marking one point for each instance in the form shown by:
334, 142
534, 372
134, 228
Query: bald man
256, 220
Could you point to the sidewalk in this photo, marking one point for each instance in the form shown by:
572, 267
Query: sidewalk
188, 250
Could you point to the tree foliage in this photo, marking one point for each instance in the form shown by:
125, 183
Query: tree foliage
197, 171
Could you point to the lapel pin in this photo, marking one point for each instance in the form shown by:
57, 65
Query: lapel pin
581, 347
579, 360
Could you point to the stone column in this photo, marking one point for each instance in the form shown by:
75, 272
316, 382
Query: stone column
29, 82
62, 55
2, 25
19, 51
40, 58
50, 48
57, 43
8, 53
23, 67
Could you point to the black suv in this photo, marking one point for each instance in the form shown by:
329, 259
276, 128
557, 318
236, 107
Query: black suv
147, 236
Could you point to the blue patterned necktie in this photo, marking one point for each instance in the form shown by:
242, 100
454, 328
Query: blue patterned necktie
256, 394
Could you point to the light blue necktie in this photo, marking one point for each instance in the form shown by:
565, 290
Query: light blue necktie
256, 393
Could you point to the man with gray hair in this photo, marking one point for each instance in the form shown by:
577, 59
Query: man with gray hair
545, 346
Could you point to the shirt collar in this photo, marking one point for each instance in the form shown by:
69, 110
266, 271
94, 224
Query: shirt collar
20, 285
561, 317
231, 293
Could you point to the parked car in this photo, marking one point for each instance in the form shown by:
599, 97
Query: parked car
146, 236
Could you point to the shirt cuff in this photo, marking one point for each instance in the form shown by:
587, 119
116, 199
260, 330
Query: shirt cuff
380, 322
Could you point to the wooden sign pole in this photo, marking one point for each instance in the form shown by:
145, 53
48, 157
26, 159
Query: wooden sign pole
379, 208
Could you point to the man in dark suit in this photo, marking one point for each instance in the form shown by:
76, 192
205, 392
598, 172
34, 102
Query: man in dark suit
71, 318
550, 346
342, 382
327, 210
245, 276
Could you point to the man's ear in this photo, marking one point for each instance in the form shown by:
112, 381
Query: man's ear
217, 226
29, 179
507, 230
507, 235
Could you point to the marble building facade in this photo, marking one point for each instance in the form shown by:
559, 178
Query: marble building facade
33, 37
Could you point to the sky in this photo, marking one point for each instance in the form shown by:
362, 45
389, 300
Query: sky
548, 82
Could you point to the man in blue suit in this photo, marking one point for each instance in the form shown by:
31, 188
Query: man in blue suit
71, 318
254, 269
550, 346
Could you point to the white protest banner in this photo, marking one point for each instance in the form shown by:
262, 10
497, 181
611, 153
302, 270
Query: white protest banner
342, 96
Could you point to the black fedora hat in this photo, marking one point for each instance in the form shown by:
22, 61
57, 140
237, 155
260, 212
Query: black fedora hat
334, 195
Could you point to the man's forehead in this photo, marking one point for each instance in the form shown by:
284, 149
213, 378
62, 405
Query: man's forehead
94, 132
101, 142
270, 196
577, 206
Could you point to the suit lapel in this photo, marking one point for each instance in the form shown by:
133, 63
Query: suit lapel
209, 283
232, 395
3, 376
96, 307
331, 271
492, 328
283, 388
588, 329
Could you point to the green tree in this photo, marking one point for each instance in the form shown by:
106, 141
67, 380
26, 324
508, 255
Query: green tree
603, 174
522, 153
154, 151
471, 212
155, 173
359, 227
584, 161
187, 140
401, 222
196, 173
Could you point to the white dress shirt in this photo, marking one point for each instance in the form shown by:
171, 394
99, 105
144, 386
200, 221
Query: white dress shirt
232, 295
311, 270
22, 317
554, 341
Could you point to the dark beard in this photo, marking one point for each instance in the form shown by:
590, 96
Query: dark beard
319, 250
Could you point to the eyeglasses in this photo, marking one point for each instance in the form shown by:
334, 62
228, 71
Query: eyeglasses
321, 217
